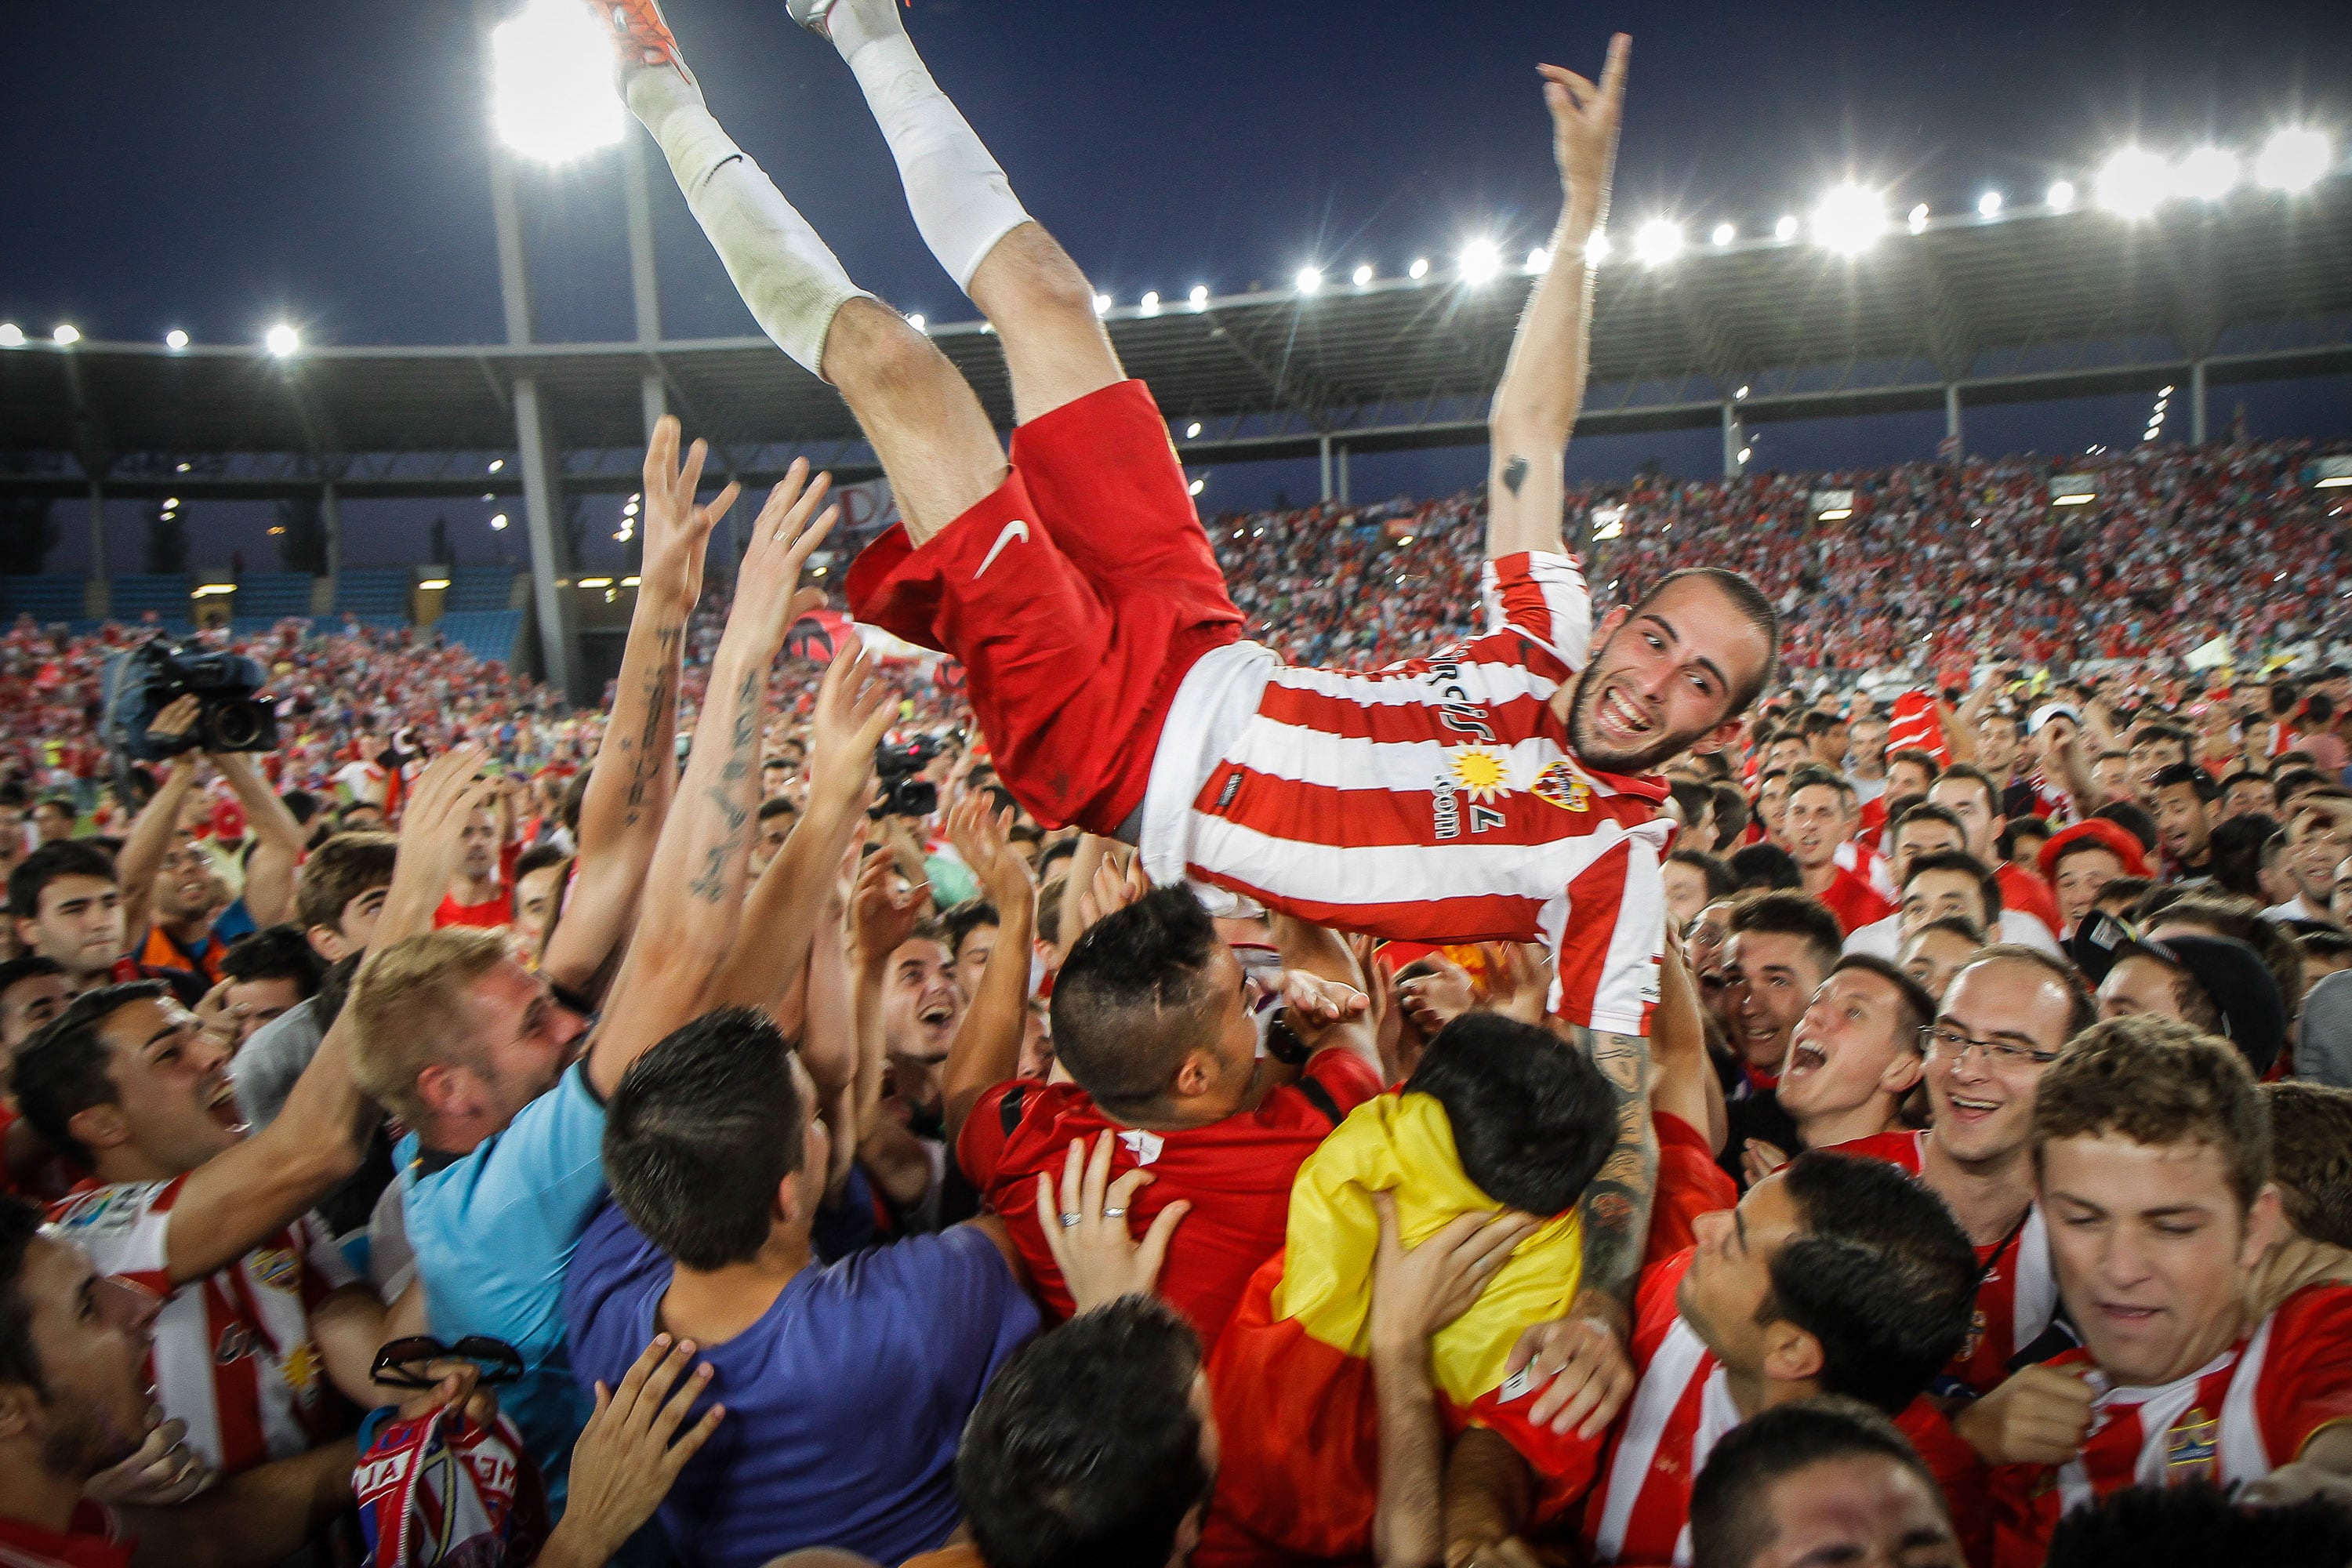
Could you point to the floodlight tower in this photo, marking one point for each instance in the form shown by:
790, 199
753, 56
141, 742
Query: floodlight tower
553, 102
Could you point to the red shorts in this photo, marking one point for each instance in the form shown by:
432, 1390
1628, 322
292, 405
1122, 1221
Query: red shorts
1076, 596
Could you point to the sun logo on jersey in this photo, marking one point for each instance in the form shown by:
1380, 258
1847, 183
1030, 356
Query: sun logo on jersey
1482, 775
1559, 785
301, 1368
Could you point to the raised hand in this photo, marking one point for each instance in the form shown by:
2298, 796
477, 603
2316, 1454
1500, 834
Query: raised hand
853, 708
1436, 998
630, 1453
1085, 1221
979, 835
677, 531
1584, 120
879, 918
432, 834
783, 538
1417, 1290
176, 719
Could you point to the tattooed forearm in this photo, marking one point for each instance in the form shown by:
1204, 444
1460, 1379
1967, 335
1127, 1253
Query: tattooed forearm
1615, 1209
647, 764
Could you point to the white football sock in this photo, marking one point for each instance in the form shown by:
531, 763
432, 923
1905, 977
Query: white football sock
786, 274
959, 196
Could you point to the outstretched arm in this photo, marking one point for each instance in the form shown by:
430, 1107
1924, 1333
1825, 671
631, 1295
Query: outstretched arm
152, 831
1543, 383
277, 841
688, 924
630, 786
987, 1045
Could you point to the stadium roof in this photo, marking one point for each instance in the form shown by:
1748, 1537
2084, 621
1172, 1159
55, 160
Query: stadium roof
2028, 305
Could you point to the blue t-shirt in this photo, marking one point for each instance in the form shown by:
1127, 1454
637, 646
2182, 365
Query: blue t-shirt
492, 1232
844, 1401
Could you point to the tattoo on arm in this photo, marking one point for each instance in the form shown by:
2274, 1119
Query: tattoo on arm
643, 749
1615, 1209
1515, 474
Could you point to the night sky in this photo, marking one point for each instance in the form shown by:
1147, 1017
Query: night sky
218, 168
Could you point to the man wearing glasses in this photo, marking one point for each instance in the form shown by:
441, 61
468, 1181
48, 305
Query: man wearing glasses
2004, 1018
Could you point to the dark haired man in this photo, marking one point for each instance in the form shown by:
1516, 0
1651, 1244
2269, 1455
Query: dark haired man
1821, 1481
846, 1385
1781, 946
1834, 1276
2153, 1154
32, 992
2004, 1018
1817, 823
1968, 794
267, 974
1152, 1020
68, 906
1856, 1056
2181, 796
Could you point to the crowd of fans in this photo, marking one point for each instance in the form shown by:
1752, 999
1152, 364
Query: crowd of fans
708, 1128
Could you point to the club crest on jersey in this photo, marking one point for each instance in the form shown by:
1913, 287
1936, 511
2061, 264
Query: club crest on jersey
1482, 775
1559, 785
275, 1267
2190, 1447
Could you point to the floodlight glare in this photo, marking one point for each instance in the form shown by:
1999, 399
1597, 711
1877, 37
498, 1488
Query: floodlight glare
1192, 430
1597, 249
1725, 234
497, 464
2207, 174
1538, 259
916, 321
1102, 304
12, 336
1744, 452
2293, 159
1196, 487
1199, 296
1419, 270
1989, 204
1150, 303
67, 334
2133, 183
551, 93
1362, 276
2061, 197
175, 339
1657, 242
500, 520
1480, 261
1848, 219
282, 341
1309, 278
1917, 220
1786, 228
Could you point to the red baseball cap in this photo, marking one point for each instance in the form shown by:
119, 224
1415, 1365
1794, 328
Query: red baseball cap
2111, 836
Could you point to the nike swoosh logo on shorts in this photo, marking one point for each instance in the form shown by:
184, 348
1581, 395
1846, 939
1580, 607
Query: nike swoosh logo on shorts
1015, 529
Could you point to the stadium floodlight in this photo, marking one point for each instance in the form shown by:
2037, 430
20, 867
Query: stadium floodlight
1786, 229
2060, 197
1102, 304
916, 321
2207, 174
432, 584
175, 339
172, 503
1196, 487
2079, 498
551, 93
1361, 275
1657, 242
2166, 393
1538, 259
1740, 396
1744, 453
12, 336
498, 522
1917, 220
1480, 261
596, 581
497, 464
1597, 249
1723, 234
1848, 219
1308, 280
2296, 158
1199, 296
1989, 204
1192, 431
2133, 183
1149, 305
282, 341
67, 334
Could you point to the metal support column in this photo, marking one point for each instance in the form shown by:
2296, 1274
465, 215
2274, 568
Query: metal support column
98, 529
1345, 499
1323, 445
330, 524
2197, 402
1953, 436
1732, 441
644, 280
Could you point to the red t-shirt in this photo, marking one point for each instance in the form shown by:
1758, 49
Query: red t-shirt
2021, 890
2235, 1419
1854, 902
490, 914
1237, 1172
2016, 1297
92, 1540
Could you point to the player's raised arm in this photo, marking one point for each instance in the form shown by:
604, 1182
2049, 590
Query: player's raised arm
1543, 383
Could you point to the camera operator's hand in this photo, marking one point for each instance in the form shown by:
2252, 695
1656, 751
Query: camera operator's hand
178, 717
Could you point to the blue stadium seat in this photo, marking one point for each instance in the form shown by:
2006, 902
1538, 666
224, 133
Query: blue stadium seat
479, 589
374, 594
48, 599
271, 596
485, 634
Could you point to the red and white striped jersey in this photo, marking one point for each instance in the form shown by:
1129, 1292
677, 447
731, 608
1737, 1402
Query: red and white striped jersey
1680, 1410
2235, 1419
92, 1539
233, 1354
2016, 1297
1433, 801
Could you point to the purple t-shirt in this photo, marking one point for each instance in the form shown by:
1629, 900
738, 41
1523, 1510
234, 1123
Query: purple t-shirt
844, 1402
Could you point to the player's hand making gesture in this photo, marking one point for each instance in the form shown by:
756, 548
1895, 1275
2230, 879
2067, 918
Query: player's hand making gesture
1584, 120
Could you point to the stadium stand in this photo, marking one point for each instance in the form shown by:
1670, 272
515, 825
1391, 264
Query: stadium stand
485, 634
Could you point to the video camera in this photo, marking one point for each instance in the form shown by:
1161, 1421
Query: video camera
896, 765
230, 716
